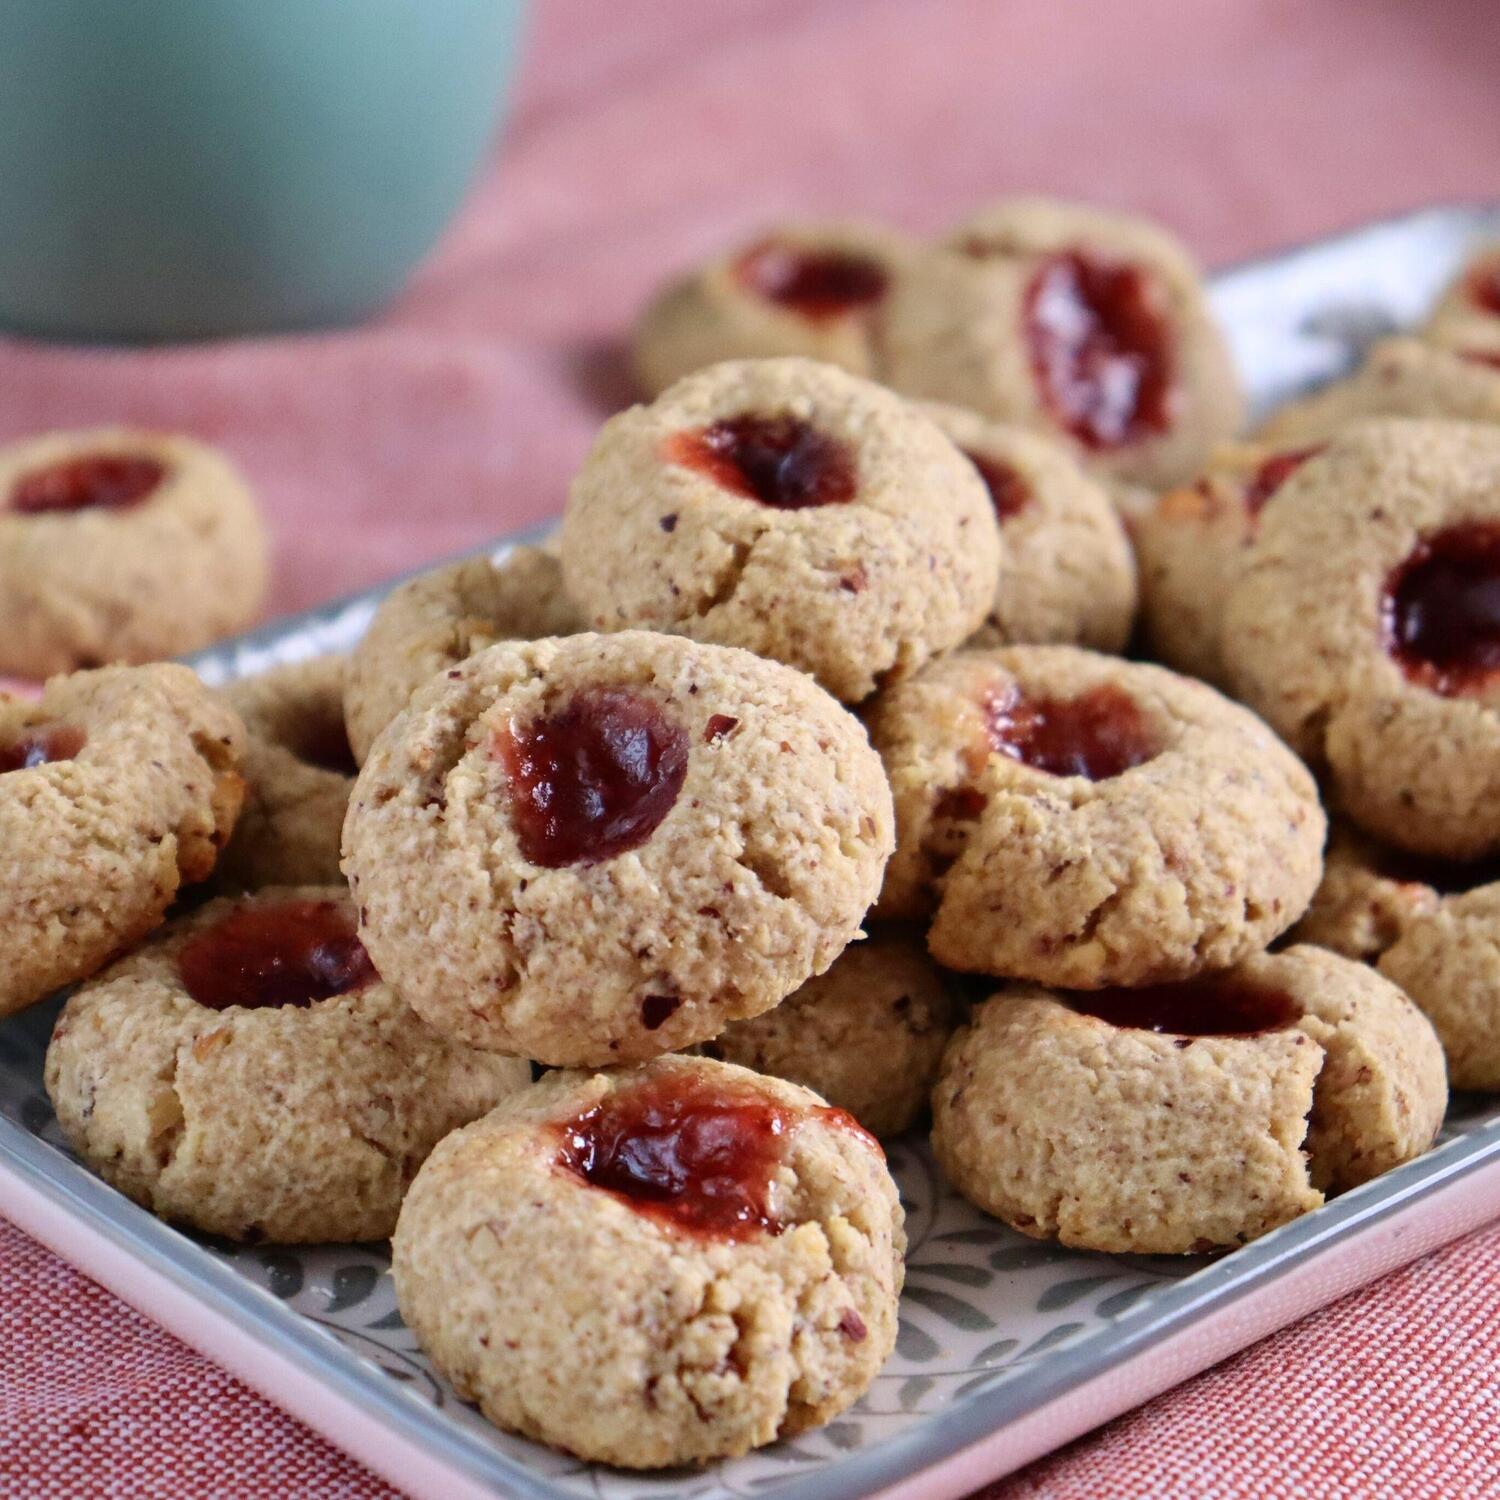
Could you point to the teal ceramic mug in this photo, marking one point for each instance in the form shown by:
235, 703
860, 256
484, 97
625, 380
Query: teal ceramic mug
185, 168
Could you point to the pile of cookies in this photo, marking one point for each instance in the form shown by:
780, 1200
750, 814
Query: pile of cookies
585, 929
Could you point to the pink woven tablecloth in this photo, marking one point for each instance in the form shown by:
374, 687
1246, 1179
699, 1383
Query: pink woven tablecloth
645, 134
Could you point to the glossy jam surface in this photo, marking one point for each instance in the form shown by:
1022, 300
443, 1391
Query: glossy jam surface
105, 481
1442, 610
594, 778
275, 953
818, 284
40, 745
1100, 349
1218, 1006
781, 461
1098, 734
1008, 491
695, 1155
1272, 474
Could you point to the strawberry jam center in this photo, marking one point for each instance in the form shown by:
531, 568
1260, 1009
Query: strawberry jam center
273, 953
594, 778
1484, 287
694, 1155
1100, 348
1442, 610
1272, 474
1100, 733
1008, 491
818, 284
781, 461
101, 481
1217, 1006
40, 745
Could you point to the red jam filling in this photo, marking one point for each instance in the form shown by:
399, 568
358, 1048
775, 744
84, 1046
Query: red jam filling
104, 481
326, 745
1484, 287
1219, 1006
593, 779
40, 745
693, 1155
1100, 348
1008, 491
1272, 474
1442, 610
781, 461
1098, 734
818, 284
275, 953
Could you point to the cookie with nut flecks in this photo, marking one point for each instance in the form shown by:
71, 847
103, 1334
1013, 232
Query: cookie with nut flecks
866, 1035
791, 509
433, 621
1067, 572
1085, 821
1188, 1117
602, 848
118, 545
811, 290
707, 1260
118, 787
248, 1073
1091, 326
298, 770
1364, 625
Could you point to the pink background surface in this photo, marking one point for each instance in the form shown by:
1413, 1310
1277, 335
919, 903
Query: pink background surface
644, 135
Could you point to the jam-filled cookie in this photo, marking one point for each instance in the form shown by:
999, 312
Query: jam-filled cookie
248, 1073
1365, 625
1188, 1117
1190, 543
117, 787
867, 1035
121, 546
1467, 316
433, 621
1400, 377
789, 508
1088, 325
812, 290
298, 773
657, 1266
1067, 573
1085, 821
601, 848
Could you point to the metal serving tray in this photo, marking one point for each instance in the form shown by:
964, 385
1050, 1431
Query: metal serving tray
1007, 1347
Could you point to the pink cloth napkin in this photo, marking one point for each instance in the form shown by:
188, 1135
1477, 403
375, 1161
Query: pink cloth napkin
645, 135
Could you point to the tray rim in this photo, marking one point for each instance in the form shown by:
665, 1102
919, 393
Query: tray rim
170, 1279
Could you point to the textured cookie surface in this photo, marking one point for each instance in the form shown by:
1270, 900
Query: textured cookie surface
789, 508
1124, 1138
605, 847
298, 772
1067, 573
117, 787
812, 290
611, 1306
1085, 821
435, 620
867, 1035
1089, 325
246, 1072
1190, 544
121, 546
1362, 627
